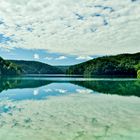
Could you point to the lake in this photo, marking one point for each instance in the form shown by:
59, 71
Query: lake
69, 108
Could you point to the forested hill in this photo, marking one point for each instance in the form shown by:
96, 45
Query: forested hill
9, 68
34, 67
123, 64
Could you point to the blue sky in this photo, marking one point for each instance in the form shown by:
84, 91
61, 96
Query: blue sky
63, 32
42, 56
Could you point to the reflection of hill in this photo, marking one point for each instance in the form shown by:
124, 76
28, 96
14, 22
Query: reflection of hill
21, 83
125, 88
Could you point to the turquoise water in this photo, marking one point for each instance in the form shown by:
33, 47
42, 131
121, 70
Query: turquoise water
23, 88
68, 108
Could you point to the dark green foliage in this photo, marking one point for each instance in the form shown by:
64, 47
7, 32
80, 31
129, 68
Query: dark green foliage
62, 68
8, 68
123, 64
33, 67
138, 74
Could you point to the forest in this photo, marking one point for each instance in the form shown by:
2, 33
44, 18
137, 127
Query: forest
123, 64
9, 68
118, 65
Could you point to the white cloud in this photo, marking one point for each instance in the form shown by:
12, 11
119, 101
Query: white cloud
61, 58
48, 58
36, 56
6, 49
78, 27
84, 58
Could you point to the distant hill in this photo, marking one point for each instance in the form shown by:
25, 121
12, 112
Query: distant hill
9, 68
34, 67
123, 64
63, 68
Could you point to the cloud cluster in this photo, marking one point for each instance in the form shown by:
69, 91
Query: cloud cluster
61, 58
84, 58
36, 56
76, 27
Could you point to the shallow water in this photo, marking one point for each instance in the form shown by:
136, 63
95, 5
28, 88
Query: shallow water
64, 108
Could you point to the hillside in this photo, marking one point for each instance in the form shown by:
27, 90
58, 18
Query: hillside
34, 67
8, 68
123, 64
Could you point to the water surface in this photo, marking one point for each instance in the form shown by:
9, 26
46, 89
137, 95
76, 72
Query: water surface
69, 108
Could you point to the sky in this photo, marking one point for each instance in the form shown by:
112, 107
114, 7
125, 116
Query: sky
65, 32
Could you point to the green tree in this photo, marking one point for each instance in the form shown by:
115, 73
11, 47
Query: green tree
138, 74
